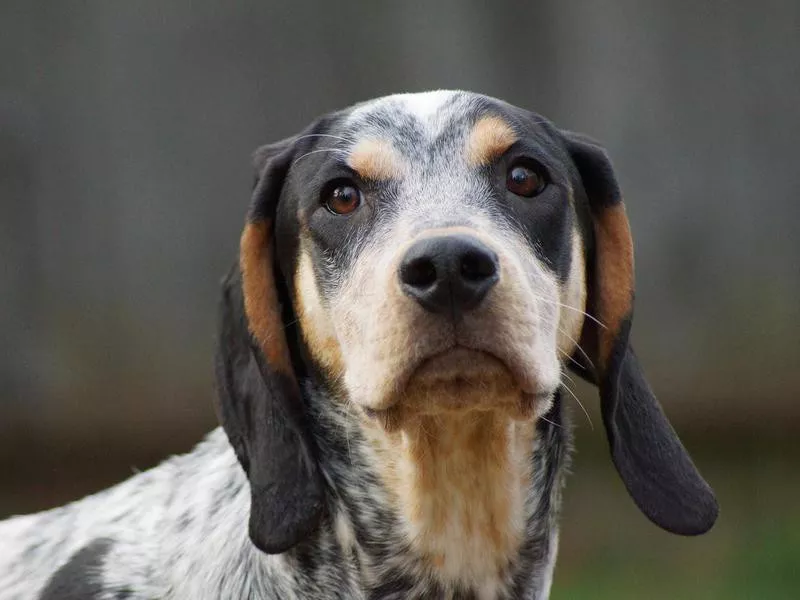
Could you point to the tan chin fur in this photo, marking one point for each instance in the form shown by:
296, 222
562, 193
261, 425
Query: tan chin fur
459, 483
455, 383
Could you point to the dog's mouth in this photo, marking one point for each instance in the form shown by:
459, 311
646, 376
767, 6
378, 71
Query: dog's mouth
460, 366
460, 380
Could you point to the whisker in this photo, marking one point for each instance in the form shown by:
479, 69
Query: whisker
437, 420
327, 135
578, 346
572, 360
583, 408
546, 420
290, 323
316, 151
575, 308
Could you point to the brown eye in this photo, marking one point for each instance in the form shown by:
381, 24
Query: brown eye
525, 181
342, 198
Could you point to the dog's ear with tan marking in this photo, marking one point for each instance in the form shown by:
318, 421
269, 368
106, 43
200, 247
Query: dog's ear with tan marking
259, 400
653, 464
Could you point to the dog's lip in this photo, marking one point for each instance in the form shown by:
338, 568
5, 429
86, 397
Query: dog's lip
531, 394
454, 350
459, 348
530, 400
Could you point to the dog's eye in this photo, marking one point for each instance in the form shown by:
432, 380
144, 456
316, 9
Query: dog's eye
525, 180
341, 197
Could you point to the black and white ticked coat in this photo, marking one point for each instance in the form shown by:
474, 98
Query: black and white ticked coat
179, 531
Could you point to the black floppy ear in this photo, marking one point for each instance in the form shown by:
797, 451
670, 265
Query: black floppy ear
259, 401
653, 464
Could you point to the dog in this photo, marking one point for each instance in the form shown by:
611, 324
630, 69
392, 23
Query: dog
416, 275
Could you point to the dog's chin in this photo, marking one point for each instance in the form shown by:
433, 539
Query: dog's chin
460, 381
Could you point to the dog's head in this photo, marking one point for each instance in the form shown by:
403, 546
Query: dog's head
429, 254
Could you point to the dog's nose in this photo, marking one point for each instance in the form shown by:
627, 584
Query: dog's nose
448, 273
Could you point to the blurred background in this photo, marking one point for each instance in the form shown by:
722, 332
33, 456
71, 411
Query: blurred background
125, 135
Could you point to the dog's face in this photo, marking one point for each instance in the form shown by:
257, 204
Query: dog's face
435, 253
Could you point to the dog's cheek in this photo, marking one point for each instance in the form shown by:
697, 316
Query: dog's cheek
543, 292
378, 326
373, 329
513, 310
573, 300
316, 324
524, 313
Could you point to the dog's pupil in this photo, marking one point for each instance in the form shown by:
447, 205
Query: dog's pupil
523, 181
521, 176
344, 199
344, 194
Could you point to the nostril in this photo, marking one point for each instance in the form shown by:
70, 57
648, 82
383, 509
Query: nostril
448, 274
419, 272
477, 266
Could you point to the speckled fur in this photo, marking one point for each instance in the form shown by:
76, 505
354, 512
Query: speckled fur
179, 531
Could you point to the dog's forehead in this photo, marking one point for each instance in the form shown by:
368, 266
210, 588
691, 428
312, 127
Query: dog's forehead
426, 112
416, 120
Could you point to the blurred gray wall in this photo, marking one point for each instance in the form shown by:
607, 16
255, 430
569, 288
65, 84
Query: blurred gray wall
126, 129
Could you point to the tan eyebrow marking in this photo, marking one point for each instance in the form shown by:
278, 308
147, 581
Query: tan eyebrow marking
376, 159
489, 138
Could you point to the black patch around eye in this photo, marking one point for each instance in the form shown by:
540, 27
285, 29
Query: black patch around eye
545, 218
337, 239
548, 222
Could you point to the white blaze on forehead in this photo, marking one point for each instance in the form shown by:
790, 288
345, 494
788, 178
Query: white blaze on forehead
425, 106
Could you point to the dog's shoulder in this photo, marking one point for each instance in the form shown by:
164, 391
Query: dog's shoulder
113, 544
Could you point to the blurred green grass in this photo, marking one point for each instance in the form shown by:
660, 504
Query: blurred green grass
609, 550
763, 565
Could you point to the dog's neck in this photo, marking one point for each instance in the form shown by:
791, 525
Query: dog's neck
462, 501
460, 483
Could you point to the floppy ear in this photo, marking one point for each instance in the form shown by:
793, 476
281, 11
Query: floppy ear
653, 464
259, 401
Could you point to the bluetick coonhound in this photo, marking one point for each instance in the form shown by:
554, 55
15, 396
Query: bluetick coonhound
415, 275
